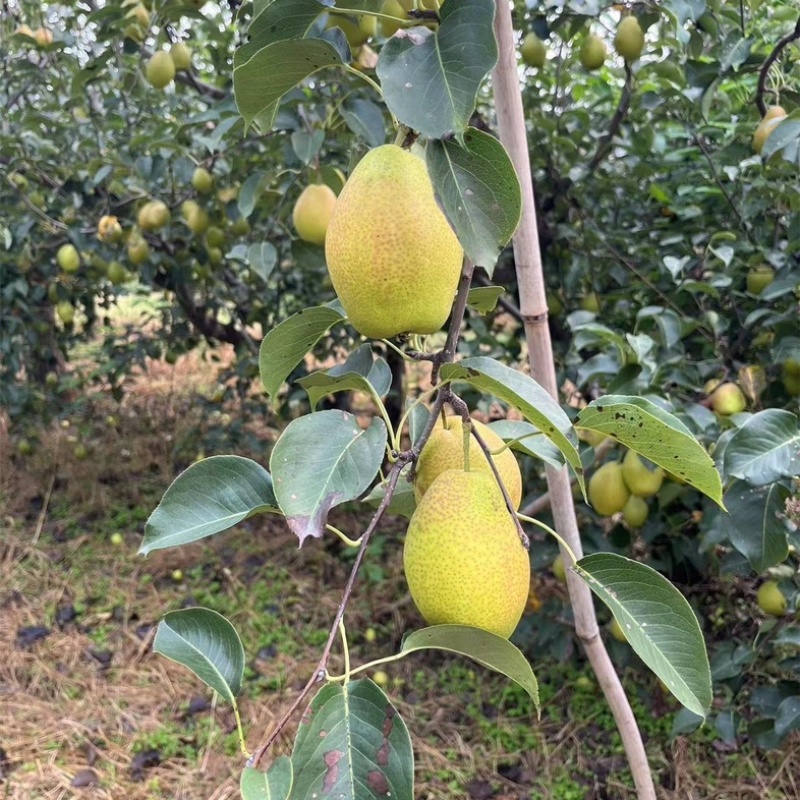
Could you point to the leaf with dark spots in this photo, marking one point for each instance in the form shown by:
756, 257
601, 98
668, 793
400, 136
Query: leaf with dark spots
142, 761
331, 778
27, 637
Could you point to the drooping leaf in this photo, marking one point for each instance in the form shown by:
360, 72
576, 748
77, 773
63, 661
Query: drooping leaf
360, 372
488, 649
210, 496
274, 784
430, 80
523, 393
641, 425
285, 345
323, 460
530, 440
484, 298
204, 642
261, 81
658, 622
765, 448
753, 523
352, 744
479, 191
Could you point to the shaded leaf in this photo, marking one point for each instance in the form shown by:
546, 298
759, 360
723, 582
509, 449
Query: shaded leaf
479, 190
366, 120
530, 440
788, 717
210, 496
204, 642
658, 622
274, 784
262, 258
484, 298
488, 649
284, 347
403, 502
352, 744
323, 460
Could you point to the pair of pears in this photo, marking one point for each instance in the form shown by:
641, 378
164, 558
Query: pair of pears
463, 558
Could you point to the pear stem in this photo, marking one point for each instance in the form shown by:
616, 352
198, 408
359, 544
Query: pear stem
543, 526
466, 430
346, 539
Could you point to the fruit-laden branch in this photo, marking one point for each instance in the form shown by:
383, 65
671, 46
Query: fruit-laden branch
533, 304
770, 60
402, 460
188, 79
604, 145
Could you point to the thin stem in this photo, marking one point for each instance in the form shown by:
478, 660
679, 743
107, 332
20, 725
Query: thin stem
547, 528
365, 77
407, 413
364, 667
346, 539
239, 729
345, 650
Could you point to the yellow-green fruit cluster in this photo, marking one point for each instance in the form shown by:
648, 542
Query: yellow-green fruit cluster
463, 558
623, 488
444, 451
392, 256
312, 213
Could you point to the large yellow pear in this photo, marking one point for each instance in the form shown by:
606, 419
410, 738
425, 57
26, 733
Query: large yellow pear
160, 69
629, 41
392, 256
608, 493
444, 450
640, 479
772, 118
464, 561
312, 212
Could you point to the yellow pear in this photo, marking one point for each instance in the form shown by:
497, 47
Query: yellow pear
153, 215
636, 511
615, 629
771, 600
444, 450
533, 51
108, 229
607, 490
202, 180
464, 561
68, 258
558, 569
181, 56
392, 256
759, 277
138, 249
629, 41
772, 118
356, 33
593, 52
66, 312
642, 481
43, 36
312, 212
24, 30
728, 399
160, 69
196, 217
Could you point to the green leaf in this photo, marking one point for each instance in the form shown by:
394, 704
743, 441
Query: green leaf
352, 744
783, 135
360, 372
323, 460
403, 502
204, 642
285, 346
788, 717
523, 393
210, 496
275, 784
658, 622
366, 120
430, 80
483, 299
260, 82
251, 190
488, 649
306, 145
262, 258
479, 190
754, 523
644, 427
528, 439
765, 448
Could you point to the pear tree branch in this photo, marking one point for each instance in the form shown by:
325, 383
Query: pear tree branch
763, 73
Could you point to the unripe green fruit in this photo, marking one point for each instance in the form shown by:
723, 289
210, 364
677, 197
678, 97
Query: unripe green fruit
381, 678
153, 215
758, 278
591, 302
24, 447
117, 539
771, 600
356, 33
641, 480
629, 41
370, 635
196, 217
138, 250
312, 213
558, 569
392, 256
177, 575
391, 8
593, 52
533, 51
240, 227
66, 312
615, 629
202, 180
463, 558
607, 491
160, 70
181, 56
68, 258
116, 273
81, 452
51, 379
791, 377
215, 237
636, 511
728, 399
214, 256
771, 119
444, 450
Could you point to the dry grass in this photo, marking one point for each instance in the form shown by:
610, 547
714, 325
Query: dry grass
63, 711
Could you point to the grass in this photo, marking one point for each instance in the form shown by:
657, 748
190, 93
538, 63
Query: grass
63, 710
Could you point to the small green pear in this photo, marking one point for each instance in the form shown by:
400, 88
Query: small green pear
636, 511
771, 600
312, 213
593, 52
160, 70
728, 399
629, 41
202, 180
641, 480
759, 277
181, 56
533, 51
68, 258
607, 490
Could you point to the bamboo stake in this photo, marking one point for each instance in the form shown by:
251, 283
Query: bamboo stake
533, 307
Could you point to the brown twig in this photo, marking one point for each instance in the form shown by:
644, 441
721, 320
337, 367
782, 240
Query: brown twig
604, 144
763, 73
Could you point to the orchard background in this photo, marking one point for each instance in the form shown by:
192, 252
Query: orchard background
670, 252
